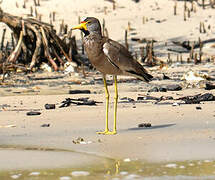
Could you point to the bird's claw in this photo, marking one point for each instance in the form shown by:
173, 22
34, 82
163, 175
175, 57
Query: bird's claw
107, 132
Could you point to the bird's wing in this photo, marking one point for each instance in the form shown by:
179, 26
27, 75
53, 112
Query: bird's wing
118, 55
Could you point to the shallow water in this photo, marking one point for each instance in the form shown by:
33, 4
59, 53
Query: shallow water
116, 169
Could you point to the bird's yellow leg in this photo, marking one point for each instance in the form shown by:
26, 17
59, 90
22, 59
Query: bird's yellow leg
107, 107
115, 104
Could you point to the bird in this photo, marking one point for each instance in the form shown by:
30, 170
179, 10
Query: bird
110, 58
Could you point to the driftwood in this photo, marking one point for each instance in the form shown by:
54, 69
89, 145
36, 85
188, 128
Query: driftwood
37, 42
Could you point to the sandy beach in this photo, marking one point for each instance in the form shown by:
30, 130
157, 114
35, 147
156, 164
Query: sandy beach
66, 137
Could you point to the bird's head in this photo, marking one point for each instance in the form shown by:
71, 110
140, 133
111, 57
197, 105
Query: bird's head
89, 25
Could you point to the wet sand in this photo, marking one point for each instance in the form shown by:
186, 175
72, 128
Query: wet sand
178, 133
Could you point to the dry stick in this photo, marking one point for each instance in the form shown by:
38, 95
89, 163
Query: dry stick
23, 45
14, 55
65, 29
181, 59
185, 18
38, 46
203, 27
142, 52
83, 70
103, 27
209, 27
194, 9
188, 12
40, 17
3, 37
35, 3
50, 18
177, 58
192, 6
212, 3
6, 48
175, 8
24, 5
185, 5
35, 11
203, 4
82, 38
53, 16
38, 3
200, 50
188, 60
45, 42
169, 60
105, 10
192, 51
129, 26
61, 27
17, 5
23, 28
114, 5
152, 47
72, 44
200, 27
106, 32
31, 11
12, 41
195, 59
126, 39
149, 56
144, 19
58, 57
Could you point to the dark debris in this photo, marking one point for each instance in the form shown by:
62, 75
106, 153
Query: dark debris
80, 101
196, 99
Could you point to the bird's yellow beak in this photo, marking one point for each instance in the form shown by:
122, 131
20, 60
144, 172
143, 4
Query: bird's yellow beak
81, 26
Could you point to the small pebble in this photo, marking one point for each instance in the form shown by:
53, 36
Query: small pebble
132, 176
45, 125
144, 125
127, 160
175, 104
49, 106
15, 176
80, 173
33, 113
182, 167
171, 165
123, 173
198, 108
34, 174
79, 92
65, 178
191, 164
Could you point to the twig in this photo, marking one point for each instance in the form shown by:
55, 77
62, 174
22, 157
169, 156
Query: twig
14, 55
45, 42
3, 37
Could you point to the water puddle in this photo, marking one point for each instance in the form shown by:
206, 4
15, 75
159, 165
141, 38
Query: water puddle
82, 166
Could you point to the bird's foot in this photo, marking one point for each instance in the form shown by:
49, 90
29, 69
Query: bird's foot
107, 132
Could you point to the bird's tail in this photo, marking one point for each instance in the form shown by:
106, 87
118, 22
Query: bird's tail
147, 77
143, 75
